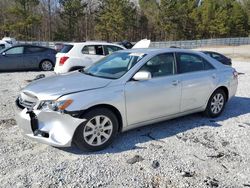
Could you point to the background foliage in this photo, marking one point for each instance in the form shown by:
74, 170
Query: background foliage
116, 20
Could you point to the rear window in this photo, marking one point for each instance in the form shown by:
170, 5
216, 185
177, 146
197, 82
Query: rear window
66, 48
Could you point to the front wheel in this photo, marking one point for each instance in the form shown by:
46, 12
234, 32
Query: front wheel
98, 131
216, 104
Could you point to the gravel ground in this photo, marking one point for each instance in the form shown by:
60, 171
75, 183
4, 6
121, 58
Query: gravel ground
192, 151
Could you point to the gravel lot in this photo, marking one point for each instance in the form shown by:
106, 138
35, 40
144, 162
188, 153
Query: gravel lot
192, 151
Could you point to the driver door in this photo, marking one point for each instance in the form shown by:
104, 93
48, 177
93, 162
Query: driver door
12, 59
157, 97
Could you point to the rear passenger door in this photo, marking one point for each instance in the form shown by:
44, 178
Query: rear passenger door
32, 56
93, 53
198, 79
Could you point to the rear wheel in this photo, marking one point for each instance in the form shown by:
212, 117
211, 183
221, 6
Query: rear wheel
46, 65
216, 104
98, 131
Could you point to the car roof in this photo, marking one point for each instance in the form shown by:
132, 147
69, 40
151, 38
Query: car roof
160, 50
206, 51
93, 43
29, 45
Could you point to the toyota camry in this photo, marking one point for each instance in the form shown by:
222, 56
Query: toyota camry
125, 90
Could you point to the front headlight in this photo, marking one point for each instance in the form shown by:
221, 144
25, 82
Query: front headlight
57, 105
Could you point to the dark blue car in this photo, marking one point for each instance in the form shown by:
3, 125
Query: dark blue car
219, 57
27, 57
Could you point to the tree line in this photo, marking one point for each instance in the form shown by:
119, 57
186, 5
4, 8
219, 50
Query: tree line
116, 20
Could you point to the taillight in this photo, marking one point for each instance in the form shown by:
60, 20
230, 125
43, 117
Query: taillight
235, 73
63, 59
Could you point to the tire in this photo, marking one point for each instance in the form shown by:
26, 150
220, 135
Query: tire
46, 65
90, 134
216, 104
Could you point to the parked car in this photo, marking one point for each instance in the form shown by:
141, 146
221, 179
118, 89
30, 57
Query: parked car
4, 45
74, 56
122, 91
11, 41
27, 57
219, 57
126, 44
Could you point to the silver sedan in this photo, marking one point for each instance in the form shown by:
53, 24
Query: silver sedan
125, 90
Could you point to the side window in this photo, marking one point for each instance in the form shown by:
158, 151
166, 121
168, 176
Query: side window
99, 50
160, 65
15, 50
34, 49
89, 50
110, 49
93, 50
191, 63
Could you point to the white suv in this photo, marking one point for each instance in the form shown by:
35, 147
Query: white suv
74, 56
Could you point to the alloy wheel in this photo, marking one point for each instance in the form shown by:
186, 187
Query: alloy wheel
98, 130
217, 103
47, 66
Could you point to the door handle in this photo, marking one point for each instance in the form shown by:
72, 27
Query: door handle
175, 82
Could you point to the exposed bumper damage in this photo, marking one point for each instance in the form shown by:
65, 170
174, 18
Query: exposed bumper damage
49, 127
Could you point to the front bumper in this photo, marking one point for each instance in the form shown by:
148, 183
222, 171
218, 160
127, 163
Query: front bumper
48, 127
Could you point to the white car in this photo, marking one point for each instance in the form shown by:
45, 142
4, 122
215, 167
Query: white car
11, 41
4, 45
74, 56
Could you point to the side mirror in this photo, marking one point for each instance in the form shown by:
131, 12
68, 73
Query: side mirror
142, 75
3, 54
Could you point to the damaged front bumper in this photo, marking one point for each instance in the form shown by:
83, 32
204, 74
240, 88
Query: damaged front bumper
48, 127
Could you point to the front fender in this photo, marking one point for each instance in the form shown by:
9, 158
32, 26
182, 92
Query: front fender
113, 96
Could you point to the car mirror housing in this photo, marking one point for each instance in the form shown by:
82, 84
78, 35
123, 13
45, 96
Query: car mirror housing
142, 75
3, 53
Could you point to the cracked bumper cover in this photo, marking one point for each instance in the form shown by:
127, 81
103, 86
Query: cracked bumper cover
59, 128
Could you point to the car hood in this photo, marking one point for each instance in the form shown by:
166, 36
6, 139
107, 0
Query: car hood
144, 43
53, 87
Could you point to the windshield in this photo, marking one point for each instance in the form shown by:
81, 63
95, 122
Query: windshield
115, 65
